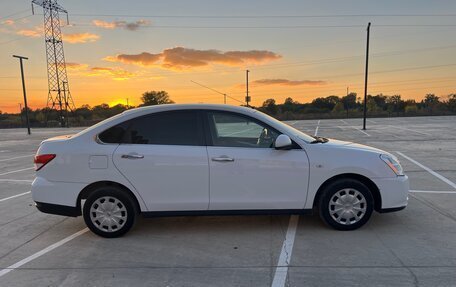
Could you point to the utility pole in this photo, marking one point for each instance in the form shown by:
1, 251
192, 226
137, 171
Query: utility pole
365, 77
247, 97
23, 90
127, 104
20, 114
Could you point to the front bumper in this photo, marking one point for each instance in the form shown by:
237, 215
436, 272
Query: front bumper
394, 192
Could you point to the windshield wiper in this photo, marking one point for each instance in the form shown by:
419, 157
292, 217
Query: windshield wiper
319, 140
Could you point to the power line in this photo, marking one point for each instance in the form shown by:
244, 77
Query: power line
260, 16
14, 14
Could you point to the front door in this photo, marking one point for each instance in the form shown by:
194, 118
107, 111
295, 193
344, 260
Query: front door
247, 172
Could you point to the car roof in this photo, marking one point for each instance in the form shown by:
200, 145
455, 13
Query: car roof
172, 107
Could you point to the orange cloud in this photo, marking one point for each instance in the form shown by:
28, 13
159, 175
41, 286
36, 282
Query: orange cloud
34, 33
180, 58
76, 66
132, 26
80, 38
114, 73
8, 22
285, 82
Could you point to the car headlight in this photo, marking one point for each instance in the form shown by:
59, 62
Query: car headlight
393, 163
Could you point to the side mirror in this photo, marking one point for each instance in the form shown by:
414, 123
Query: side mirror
283, 142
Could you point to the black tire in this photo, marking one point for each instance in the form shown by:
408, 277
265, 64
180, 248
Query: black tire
335, 192
116, 198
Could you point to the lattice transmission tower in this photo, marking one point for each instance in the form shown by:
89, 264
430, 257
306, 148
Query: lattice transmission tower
59, 96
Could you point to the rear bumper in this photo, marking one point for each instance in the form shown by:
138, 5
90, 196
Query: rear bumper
58, 209
394, 192
55, 192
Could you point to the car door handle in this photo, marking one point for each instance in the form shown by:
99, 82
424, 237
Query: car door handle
223, 158
132, 156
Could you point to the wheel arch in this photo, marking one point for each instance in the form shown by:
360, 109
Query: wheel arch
95, 185
363, 179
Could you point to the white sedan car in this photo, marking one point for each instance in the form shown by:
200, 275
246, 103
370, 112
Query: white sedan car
181, 160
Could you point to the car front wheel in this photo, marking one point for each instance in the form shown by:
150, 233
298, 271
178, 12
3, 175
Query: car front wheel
346, 204
109, 212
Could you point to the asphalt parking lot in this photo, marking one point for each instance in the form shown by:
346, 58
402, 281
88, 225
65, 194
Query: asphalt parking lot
413, 247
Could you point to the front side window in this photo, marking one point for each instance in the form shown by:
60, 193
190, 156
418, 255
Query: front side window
233, 130
166, 128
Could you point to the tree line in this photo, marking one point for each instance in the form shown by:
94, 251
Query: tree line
323, 107
352, 106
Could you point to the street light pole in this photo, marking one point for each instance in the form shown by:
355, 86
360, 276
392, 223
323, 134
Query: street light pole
23, 90
247, 97
365, 77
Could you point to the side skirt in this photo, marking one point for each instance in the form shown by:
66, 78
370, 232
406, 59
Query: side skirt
226, 212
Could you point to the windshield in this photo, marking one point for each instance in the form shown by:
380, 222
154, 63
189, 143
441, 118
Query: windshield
289, 129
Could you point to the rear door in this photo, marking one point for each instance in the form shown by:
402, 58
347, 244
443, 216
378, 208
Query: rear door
164, 157
247, 172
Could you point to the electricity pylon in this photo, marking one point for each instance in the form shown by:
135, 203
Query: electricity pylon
59, 96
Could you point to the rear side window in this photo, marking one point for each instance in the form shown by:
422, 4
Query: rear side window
114, 134
168, 128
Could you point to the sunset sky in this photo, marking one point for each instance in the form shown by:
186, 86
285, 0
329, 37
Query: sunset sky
119, 49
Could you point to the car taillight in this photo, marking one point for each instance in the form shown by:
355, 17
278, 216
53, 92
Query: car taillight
42, 159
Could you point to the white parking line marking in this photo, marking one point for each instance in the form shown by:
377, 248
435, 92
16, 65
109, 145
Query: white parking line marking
14, 171
361, 131
16, 157
14, 196
344, 122
42, 252
16, 180
292, 123
280, 276
316, 129
433, 191
402, 128
439, 176
371, 121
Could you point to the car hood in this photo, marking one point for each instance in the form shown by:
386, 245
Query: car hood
333, 143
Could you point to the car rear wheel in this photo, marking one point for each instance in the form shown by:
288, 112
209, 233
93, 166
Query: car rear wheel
109, 212
346, 204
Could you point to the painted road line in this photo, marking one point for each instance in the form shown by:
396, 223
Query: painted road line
19, 170
316, 129
432, 191
439, 176
344, 122
16, 157
418, 132
361, 131
41, 252
371, 121
14, 196
280, 276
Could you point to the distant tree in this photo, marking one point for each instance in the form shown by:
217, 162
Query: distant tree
395, 104
371, 104
338, 108
270, 107
325, 104
349, 102
155, 98
452, 102
431, 101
